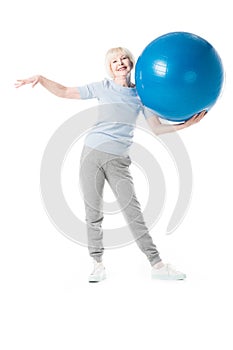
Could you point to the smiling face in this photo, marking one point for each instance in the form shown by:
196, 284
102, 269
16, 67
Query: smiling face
120, 65
119, 62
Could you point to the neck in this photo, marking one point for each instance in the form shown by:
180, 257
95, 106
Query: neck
123, 81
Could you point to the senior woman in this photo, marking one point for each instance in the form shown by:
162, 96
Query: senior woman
105, 156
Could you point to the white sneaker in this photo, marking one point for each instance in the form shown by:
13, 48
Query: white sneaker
167, 272
98, 274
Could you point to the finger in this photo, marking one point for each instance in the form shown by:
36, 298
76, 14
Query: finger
19, 84
196, 117
193, 117
34, 83
202, 114
19, 81
205, 112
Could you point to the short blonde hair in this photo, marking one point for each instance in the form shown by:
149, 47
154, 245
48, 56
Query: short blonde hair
110, 55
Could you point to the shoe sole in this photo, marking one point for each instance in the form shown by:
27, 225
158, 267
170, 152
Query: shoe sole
169, 278
96, 280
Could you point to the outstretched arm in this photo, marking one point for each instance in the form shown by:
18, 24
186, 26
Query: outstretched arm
55, 88
158, 128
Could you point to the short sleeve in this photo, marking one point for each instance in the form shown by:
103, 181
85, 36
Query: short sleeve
89, 91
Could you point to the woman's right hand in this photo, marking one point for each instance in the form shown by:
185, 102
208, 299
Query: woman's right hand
33, 80
53, 87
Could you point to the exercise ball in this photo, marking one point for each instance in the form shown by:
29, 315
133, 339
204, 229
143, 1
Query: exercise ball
178, 75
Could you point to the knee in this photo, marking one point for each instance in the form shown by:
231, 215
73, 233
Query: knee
94, 220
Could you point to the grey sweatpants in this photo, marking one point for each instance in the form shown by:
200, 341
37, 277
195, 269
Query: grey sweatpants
96, 167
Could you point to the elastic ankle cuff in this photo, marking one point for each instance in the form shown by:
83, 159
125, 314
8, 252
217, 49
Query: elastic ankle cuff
155, 260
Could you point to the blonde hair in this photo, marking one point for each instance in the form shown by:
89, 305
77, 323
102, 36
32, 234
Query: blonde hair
111, 53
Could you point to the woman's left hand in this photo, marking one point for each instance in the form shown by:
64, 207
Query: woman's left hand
196, 118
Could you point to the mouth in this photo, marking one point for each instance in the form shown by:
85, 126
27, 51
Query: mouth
122, 68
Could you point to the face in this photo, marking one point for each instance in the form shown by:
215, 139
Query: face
120, 65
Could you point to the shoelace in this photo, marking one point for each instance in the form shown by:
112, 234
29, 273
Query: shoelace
171, 269
97, 267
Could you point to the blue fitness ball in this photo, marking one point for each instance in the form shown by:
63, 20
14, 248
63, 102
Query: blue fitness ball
178, 75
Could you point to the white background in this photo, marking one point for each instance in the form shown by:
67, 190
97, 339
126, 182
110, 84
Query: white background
46, 302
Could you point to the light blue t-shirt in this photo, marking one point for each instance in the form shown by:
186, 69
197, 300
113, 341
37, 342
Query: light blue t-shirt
118, 110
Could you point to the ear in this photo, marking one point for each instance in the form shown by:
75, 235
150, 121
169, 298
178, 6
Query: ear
131, 64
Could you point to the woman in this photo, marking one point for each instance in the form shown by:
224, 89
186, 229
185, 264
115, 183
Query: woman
105, 156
